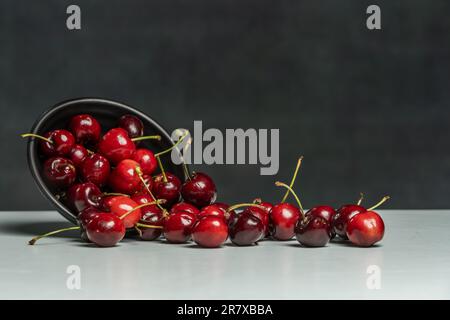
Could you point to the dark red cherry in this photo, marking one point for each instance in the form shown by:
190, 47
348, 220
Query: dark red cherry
124, 178
222, 205
213, 210
116, 146
78, 154
178, 227
210, 232
184, 206
83, 195
105, 230
84, 217
132, 125
142, 198
283, 218
122, 207
59, 172
325, 212
146, 160
168, 189
247, 229
199, 190
151, 216
85, 128
365, 229
342, 216
62, 142
95, 169
262, 215
313, 231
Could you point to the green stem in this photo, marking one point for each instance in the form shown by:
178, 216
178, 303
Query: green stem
281, 184
175, 145
141, 225
294, 176
155, 137
32, 135
138, 207
361, 198
33, 241
383, 200
162, 169
139, 172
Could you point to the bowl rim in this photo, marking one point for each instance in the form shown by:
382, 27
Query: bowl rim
33, 159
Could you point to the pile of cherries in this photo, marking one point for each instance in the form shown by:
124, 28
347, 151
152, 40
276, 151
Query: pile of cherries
111, 184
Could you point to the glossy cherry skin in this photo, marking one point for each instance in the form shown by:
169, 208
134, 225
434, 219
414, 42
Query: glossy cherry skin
178, 227
313, 231
142, 198
325, 212
105, 230
78, 154
263, 216
342, 216
83, 195
132, 125
146, 160
95, 169
213, 210
266, 205
283, 218
152, 216
84, 217
116, 146
200, 190
365, 229
61, 145
120, 205
247, 229
124, 178
210, 232
85, 128
59, 172
184, 206
168, 190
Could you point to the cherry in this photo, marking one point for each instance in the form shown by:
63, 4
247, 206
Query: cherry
199, 190
125, 208
78, 154
85, 128
267, 206
105, 229
313, 231
152, 217
124, 178
167, 186
178, 227
365, 229
325, 212
184, 206
95, 169
213, 210
148, 180
56, 143
146, 160
141, 198
59, 172
116, 146
132, 125
84, 217
222, 205
210, 232
83, 195
247, 227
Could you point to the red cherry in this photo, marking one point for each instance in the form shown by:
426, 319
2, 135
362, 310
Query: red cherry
105, 230
365, 229
325, 212
247, 229
95, 169
85, 128
167, 189
132, 125
121, 205
283, 218
78, 154
313, 231
213, 210
142, 198
342, 216
83, 195
116, 146
210, 232
151, 216
84, 218
222, 205
146, 160
178, 227
199, 190
184, 206
56, 143
124, 178
59, 172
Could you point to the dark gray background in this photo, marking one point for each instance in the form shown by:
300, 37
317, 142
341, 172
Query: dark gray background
368, 109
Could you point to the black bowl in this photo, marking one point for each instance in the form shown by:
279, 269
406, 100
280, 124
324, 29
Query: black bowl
107, 112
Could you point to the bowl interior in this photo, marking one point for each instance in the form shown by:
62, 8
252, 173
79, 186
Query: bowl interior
107, 112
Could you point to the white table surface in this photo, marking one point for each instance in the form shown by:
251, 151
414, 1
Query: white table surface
413, 260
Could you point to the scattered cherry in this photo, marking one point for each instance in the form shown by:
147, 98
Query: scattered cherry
167, 186
105, 230
247, 227
125, 208
210, 232
152, 216
313, 231
365, 229
83, 195
199, 190
184, 206
178, 227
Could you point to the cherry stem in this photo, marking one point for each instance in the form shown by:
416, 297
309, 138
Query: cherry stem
240, 205
257, 201
148, 226
383, 200
156, 137
281, 184
33, 241
138, 207
32, 135
361, 198
115, 194
139, 172
157, 155
294, 176
162, 169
